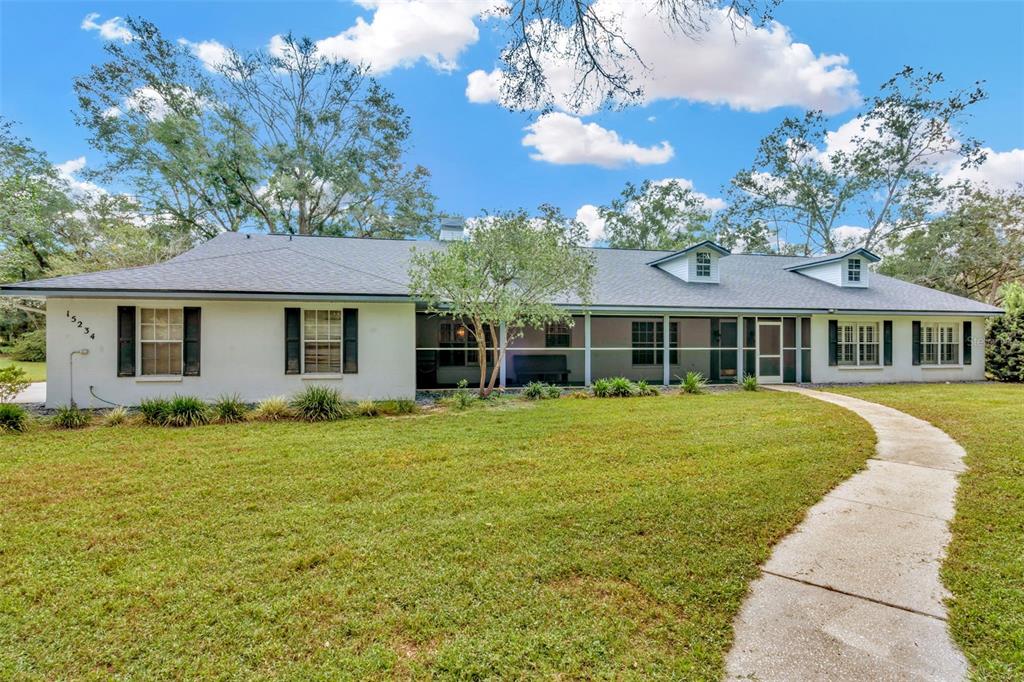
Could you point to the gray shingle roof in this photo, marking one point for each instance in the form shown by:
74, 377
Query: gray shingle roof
234, 263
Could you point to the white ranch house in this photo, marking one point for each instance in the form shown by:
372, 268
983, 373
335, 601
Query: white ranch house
265, 315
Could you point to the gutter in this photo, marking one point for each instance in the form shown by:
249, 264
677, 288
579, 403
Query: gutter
31, 292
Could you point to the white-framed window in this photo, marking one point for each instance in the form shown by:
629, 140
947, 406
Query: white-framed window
160, 334
703, 264
321, 341
853, 270
939, 344
857, 344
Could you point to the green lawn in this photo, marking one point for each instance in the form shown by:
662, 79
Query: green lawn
36, 371
581, 538
985, 566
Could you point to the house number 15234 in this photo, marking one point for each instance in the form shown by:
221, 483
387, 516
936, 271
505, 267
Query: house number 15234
79, 324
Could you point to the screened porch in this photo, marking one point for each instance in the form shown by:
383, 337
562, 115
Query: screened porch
593, 346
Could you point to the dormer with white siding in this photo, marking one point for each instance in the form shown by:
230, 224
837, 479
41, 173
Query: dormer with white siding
848, 269
697, 263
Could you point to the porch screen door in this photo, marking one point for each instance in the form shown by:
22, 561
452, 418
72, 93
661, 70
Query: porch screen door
769, 352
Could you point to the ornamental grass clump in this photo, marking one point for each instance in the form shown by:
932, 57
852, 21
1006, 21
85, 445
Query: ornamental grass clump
616, 387
319, 404
538, 390
187, 410
154, 411
116, 417
13, 418
367, 408
272, 410
645, 389
229, 409
70, 417
693, 383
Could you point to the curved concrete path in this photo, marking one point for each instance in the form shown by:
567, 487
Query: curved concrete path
854, 592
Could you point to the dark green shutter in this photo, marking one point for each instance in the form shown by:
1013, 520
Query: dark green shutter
193, 325
292, 341
833, 343
915, 354
967, 343
887, 342
350, 344
125, 340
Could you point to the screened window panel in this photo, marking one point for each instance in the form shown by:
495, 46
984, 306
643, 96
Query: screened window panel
322, 341
161, 331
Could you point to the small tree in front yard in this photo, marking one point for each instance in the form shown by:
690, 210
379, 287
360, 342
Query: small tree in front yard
1004, 348
511, 270
13, 381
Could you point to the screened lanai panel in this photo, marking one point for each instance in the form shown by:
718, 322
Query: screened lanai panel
552, 354
447, 352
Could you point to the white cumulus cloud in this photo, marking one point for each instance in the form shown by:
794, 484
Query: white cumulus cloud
211, 53
563, 139
67, 172
483, 86
1000, 170
111, 29
755, 69
402, 32
589, 215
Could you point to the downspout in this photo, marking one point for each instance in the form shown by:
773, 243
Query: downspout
71, 372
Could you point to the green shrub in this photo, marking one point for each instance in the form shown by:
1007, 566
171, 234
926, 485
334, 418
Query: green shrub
116, 417
645, 389
461, 397
538, 390
1004, 347
155, 411
367, 408
70, 417
30, 347
616, 387
749, 382
396, 406
13, 381
319, 404
693, 383
13, 418
228, 409
187, 410
272, 410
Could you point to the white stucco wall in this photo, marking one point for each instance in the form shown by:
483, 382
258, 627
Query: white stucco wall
902, 368
242, 352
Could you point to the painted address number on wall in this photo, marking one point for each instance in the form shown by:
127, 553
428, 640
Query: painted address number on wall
79, 324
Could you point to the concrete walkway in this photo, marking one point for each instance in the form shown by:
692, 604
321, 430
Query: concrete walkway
854, 592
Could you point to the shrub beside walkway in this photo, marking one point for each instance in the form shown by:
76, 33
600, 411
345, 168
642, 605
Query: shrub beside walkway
854, 592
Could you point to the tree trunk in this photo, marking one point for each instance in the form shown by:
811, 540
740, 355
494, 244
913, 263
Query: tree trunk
481, 348
497, 355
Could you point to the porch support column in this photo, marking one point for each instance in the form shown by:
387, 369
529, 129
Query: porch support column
665, 369
586, 349
741, 341
502, 332
799, 344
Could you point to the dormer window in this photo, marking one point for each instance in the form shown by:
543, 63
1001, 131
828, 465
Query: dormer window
853, 270
703, 264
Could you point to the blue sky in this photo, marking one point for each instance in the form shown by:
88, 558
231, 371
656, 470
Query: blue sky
475, 151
